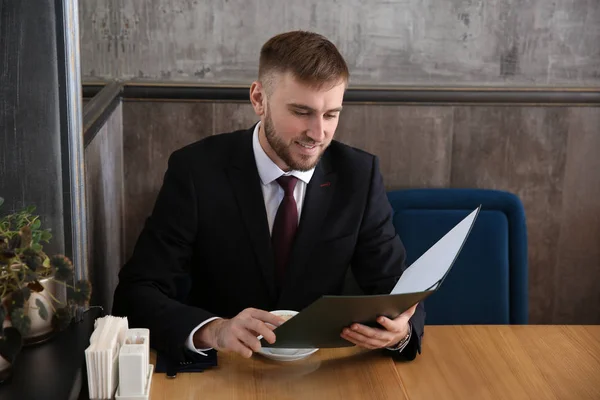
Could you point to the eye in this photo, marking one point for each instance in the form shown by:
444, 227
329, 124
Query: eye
300, 113
330, 116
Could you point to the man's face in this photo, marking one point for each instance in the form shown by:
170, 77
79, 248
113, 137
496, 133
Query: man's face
299, 122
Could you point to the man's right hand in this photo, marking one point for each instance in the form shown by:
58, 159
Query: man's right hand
240, 333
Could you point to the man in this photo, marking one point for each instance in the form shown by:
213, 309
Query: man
268, 218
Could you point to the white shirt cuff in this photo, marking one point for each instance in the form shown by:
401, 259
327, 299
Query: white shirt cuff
403, 346
189, 343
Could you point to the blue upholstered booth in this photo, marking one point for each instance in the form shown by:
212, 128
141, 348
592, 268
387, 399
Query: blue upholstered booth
488, 282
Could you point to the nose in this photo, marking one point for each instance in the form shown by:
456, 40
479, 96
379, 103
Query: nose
316, 129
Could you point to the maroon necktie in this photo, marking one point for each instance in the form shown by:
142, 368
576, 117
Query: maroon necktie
284, 227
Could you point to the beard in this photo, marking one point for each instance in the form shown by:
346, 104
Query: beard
300, 162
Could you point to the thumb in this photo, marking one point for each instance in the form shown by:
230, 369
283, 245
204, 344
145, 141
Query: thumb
410, 312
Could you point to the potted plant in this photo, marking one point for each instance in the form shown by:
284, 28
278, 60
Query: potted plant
37, 293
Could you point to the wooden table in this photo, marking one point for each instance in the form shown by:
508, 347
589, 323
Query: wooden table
505, 362
462, 362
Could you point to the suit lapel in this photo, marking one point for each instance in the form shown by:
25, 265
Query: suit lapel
246, 184
317, 200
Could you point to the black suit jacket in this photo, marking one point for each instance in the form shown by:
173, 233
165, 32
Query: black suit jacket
206, 251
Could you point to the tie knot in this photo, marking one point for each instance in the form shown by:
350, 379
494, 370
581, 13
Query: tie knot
287, 183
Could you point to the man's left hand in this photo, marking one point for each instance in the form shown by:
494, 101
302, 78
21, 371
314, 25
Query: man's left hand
392, 332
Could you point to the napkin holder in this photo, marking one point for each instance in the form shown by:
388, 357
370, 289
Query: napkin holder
135, 369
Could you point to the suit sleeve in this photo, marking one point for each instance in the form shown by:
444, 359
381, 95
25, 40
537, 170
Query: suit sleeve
150, 286
379, 257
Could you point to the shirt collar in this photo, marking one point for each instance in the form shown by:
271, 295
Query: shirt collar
267, 169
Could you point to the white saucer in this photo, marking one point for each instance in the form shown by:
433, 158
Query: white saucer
286, 354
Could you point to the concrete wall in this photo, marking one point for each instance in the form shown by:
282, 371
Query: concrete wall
386, 42
30, 131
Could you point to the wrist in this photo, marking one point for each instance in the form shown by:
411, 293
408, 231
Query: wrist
403, 342
204, 337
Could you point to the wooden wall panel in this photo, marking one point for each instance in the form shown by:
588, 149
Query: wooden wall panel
105, 205
152, 131
546, 155
413, 143
521, 150
229, 117
577, 275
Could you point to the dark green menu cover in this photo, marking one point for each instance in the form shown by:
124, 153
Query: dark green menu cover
320, 324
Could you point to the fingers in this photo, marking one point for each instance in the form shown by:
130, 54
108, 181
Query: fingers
249, 340
373, 333
264, 316
410, 312
261, 328
240, 334
356, 341
261, 322
241, 349
388, 324
367, 337
362, 340
398, 323
228, 339
373, 338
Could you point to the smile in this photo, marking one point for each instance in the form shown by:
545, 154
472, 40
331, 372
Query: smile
307, 149
307, 146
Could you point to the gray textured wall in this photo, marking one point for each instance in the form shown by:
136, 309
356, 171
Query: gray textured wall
30, 144
386, 42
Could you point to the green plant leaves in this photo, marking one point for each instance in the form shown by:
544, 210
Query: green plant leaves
20, 321
32, 259
80, 294
30, 276
21, 238
42, 310
61, 318
14, 242
63, 269
19, 297
6, 255
26, 293
1, 201
10, 344
46, 236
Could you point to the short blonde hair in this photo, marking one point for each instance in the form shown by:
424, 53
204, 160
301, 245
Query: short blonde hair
311, 58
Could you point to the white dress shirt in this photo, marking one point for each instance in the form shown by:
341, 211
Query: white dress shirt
268, 172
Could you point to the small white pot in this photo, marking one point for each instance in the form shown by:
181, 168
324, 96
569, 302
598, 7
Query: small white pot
4, 364
41, 329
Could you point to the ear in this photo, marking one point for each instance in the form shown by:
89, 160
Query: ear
258, 98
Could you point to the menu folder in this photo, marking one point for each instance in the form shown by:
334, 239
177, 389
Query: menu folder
320, 324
